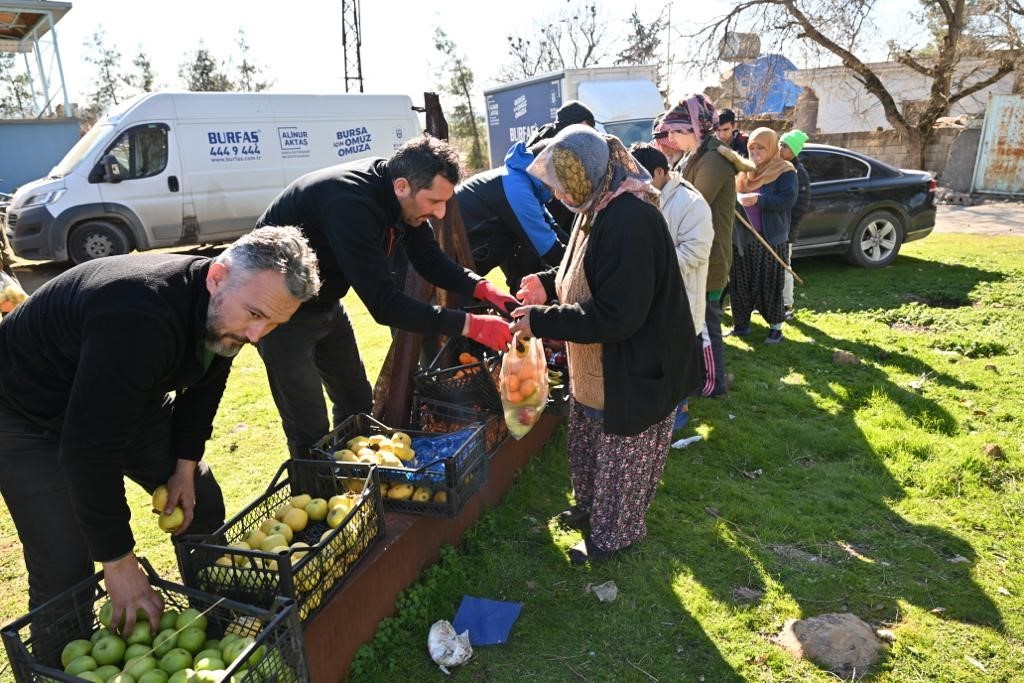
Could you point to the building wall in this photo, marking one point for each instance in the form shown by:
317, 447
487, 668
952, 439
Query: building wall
845, 105
29, 148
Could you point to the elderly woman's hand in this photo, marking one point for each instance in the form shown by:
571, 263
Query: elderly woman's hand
747, 198
521, 321
531, 291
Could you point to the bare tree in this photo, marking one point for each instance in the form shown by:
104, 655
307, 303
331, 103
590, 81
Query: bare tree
457, 81
15, 93
573, 38
142, 78
960, 30
643, 44
108, 81
202, 72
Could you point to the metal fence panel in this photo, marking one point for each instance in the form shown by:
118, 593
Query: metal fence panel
1000, 165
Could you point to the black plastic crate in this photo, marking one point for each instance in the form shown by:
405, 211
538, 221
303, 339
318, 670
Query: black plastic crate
474, 385
438, 417
35, 641
258, 576
457, 475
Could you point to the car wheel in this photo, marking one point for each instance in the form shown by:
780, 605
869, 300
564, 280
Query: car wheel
96, 239
876, 240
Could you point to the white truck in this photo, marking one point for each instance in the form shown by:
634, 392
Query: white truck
624, 100
168, 169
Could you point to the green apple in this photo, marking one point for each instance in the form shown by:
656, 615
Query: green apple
164, 642
182, 676
176, 660
107, 671
211, 644
208, 663
74, 650
169, 619
99, 633
153, 676
190, 617
122, 677
209, 675
136, 650
106, 615
90, 676
141, 633
206, 654
108, 650
192, 639
238, 676
80, 664
139, 665
235, 648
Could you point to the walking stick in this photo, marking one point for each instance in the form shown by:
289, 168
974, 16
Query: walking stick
768, 247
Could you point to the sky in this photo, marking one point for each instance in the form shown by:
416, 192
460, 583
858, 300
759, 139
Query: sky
298, 44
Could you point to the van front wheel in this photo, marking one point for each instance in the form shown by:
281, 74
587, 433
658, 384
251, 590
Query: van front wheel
96, 239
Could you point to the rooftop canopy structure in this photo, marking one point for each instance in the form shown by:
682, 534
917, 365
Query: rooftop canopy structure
29, 27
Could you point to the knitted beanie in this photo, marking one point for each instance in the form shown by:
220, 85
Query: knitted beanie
795, 140
572, 112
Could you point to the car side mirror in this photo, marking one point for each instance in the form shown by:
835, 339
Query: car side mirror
111, 169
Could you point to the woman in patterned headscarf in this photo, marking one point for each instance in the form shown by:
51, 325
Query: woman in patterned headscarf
767, 195
622, 299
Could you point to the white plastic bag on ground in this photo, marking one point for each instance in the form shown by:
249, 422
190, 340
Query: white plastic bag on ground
446, 647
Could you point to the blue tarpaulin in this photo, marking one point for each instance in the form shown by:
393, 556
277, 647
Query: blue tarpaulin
765, 86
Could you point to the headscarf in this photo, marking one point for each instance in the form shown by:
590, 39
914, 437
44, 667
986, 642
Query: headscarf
768, 170
696, 114
591, 168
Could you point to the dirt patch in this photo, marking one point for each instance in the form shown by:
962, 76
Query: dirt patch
907, 327
938, 301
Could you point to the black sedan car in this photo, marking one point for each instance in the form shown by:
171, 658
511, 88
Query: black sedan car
862, 207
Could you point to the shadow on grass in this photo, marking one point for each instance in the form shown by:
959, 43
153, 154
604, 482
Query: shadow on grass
837, 286
789, 497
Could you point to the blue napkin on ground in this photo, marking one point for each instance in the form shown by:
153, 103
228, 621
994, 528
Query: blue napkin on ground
488, 621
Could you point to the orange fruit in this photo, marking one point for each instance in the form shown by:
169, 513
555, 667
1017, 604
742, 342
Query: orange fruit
527, 387
515, 397
512, 383
466, 358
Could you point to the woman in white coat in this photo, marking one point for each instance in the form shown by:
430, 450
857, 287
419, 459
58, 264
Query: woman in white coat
689, 222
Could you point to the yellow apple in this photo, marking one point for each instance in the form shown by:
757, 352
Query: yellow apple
171, 522
345, 455
400, 491
441, 496
340, 499
279, 514
357, 442
267, 523
368, 456
160, 499
296, 518
378, 439
255, 538
317, 509
384, 486
401, 438
282, 529
403, 452
389, 459
301, 501
422, 494
336, 516
271, 542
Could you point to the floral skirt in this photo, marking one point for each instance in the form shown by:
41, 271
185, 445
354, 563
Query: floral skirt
614, 478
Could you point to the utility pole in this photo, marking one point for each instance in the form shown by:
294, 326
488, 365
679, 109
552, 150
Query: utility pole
351, 42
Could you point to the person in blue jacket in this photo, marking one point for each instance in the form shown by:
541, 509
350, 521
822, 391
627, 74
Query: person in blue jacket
506, 221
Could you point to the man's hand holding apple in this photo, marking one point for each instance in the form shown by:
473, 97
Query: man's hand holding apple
181, 490
130, 592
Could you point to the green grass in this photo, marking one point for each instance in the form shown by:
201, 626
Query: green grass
830, 488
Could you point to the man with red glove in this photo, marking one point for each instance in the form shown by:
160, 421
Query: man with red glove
355, 215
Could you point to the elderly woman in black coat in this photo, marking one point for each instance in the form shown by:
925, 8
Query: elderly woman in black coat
631, 345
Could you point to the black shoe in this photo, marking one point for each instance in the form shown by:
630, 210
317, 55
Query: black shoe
585, 551
574, 518
738, 332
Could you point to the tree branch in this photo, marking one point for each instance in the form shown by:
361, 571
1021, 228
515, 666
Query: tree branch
1004, 68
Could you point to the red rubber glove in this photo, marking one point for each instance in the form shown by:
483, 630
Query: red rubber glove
490, 330
502, 302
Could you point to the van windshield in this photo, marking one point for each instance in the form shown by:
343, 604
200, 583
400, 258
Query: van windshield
96, 135
630, 131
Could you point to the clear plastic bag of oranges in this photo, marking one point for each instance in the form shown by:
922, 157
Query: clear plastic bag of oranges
523, 385
11, 293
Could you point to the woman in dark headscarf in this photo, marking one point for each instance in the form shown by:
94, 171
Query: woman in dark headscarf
631, 344
767, 194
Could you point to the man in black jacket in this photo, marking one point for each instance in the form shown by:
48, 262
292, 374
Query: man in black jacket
355, 215
790, 146
729, 133
87, 366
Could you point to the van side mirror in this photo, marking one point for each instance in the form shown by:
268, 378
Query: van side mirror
111, 169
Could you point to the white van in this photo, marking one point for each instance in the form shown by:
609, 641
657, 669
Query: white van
168, 169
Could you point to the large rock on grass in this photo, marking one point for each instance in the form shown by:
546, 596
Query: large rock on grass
841, 643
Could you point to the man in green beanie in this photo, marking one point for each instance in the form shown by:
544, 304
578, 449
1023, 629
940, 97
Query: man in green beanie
790, 146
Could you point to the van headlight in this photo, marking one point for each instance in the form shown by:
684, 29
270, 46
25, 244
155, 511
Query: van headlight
42, 198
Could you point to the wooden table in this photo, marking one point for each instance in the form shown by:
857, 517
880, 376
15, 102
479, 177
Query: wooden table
410, 544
